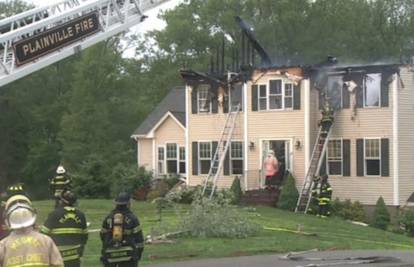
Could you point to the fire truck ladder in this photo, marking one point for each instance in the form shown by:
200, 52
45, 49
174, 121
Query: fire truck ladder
217, 161
115, 16
318, 154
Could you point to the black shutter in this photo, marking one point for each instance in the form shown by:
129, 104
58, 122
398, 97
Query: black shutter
214, 148
226, 167
194, 107
384, 89
385, 157
296, 97
322, 170
360, 157
359, 91
194, 148
345, 97
255, 92
226, 104
346, 157
214, 103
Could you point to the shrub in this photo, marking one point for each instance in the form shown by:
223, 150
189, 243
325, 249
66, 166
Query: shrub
289, 195
185, 196
172, 180
357, 212
129, 179
217, 218
337, 207
236, 190
348, 210
406, 220
381, 217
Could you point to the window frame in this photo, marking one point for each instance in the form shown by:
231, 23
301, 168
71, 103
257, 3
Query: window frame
259, 97
282, 95
241, 158
199, 158
162, 161
364, 93
333, 160
168, 159
372, 158
199, 99
291, 96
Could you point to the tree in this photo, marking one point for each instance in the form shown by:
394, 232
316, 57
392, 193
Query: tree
381, 217
289, 195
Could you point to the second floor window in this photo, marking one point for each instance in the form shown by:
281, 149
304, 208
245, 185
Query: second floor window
203, 99
276, 95
372, 90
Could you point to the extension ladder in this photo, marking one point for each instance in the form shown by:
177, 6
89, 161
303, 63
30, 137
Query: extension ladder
115, 16
218, 159
318, 154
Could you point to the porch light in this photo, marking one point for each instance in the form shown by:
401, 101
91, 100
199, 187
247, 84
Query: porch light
298, 145
251, 145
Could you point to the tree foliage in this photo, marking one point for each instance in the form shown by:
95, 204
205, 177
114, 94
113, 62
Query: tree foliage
382, 217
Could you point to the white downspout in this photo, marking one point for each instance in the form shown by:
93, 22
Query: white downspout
187, 126
246, 141
395, 142
306, 88
154, 156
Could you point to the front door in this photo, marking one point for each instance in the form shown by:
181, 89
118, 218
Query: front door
281, 150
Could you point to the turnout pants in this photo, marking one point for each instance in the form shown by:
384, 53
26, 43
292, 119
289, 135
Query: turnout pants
121, 264
73, 263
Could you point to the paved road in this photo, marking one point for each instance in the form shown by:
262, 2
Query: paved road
398, 258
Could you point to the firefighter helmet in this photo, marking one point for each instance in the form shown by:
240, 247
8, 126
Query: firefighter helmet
15, 189
19, 212
60, 170
68, 197
123, 198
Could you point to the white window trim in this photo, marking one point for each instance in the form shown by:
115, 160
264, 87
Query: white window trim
177, 151
163, 161
283, 108
342, 157
240, 158
210, 107
380, 159
364, 92
292, 97
199, 158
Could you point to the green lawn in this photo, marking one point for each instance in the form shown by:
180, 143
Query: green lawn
331, 234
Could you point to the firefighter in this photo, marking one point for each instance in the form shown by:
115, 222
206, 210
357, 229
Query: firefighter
24, 246
12, 190
325, 196
59, 183
66, 225
121, 235
314, 202
327, 118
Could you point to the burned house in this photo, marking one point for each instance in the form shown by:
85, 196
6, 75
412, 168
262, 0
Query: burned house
370, 148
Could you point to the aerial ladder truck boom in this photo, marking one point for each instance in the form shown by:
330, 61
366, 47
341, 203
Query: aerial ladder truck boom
54, 32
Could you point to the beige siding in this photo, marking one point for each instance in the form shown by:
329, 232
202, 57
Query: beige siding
275, 125
169, 132
145, 153
406, 135
209, 127
369, 122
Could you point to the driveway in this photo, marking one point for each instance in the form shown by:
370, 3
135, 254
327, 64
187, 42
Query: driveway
358, 258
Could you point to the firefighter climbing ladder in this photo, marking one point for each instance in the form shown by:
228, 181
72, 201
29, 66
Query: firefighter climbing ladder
316, 161
115, 16
217, 161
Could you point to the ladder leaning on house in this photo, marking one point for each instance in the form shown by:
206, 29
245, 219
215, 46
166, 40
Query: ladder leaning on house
217, 161
316, 161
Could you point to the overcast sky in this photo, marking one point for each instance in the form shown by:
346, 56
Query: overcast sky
152, 22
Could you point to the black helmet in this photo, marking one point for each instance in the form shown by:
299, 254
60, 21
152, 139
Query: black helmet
68, 197
123, 198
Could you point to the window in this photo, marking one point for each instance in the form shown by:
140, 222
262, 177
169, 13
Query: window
160, 166
372, 157
236, 158
372, 90
288, 95
334, 157
275, 94
262, 97
204, 157
334, 93
171, 158
182, 160
204, 103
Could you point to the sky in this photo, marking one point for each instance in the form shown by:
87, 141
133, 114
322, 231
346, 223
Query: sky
151, 23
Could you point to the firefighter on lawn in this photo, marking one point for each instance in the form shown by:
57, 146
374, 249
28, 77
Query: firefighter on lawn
121, 235
59, 183
24, 246
67, 226
325, 196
